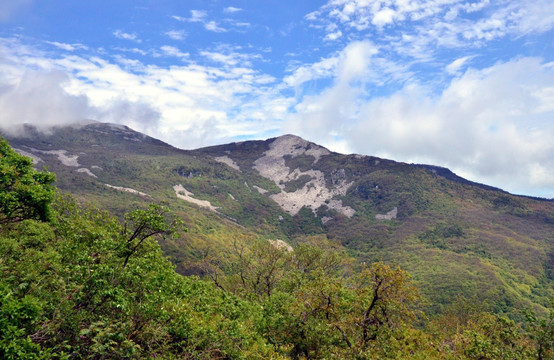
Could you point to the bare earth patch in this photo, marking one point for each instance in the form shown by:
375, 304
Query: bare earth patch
129, 190
315, 192
280, 244
186, 195
67, 160
87, 171
33, 157
388, 216
227, 160
260, 190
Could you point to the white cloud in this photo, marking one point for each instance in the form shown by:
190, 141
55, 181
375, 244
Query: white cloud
230, 57
67, 47
213, 26
189, 105
333, 36
200, 16
231, 10
176, 34
457, 64
383, 17
526, 17
322, 69
179, 18
420, 28
197, 15
39, 98
126, 36
173, 51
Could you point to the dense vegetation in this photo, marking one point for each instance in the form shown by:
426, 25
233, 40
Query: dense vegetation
78, 283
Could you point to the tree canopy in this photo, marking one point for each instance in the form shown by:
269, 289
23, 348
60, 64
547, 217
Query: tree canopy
24, 192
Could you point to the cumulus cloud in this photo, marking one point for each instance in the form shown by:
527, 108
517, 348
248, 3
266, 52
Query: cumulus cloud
491, 125
328, 113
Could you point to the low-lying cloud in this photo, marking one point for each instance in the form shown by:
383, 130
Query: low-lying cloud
38, 98
188, 106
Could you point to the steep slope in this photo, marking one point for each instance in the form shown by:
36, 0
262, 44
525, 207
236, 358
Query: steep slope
454, 236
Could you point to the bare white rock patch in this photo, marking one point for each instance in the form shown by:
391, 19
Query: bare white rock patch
388, 216
260, 190
186, 195
281, 245
129, 190
67, 160
314, 193
33, 157
86, 171
96, 167
228, 161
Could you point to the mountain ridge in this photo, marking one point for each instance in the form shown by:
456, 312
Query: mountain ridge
454, 235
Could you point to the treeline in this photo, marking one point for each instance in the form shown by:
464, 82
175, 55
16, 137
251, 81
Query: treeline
77, 283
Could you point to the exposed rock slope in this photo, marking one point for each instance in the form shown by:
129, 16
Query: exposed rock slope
315, 192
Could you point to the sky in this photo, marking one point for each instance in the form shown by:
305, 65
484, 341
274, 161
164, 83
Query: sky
468, 85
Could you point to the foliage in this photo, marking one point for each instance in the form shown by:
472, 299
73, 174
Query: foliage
541, 330
24, 192
86, 286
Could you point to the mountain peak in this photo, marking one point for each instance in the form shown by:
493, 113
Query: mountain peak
293, 145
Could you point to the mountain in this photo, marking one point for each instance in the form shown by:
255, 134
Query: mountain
456, 237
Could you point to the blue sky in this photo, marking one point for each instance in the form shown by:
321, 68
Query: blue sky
464, 84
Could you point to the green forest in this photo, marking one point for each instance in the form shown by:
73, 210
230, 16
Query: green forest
79, 283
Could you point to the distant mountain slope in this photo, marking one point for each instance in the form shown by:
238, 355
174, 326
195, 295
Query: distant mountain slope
454, 236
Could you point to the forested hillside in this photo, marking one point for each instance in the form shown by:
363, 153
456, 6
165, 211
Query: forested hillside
78, 283
456, 238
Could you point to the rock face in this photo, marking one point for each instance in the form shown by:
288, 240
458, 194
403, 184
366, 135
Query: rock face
186, 195
67, 160
314, 192
227, 160
129, 190
388, 216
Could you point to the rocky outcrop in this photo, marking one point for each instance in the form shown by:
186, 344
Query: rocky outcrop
314, 193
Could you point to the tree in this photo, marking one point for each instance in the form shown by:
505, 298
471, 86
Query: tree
542, 332
24, 192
